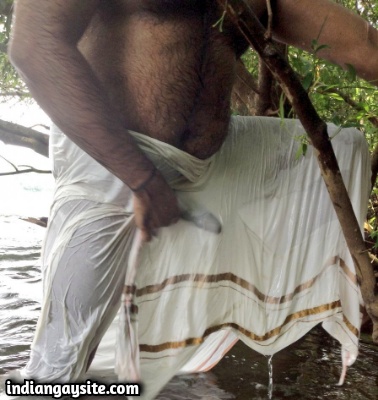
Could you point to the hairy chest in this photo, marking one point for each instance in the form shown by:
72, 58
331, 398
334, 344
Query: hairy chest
175, 12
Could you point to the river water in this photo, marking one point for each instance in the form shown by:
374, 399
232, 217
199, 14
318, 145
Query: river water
308, 369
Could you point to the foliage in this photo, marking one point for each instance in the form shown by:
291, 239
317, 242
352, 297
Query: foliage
10, 83
338, 95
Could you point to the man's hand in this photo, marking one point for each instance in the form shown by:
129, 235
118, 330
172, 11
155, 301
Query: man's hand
155, 206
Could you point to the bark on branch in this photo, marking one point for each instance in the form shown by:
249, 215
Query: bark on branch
244, 90
243, 17
19, 135
264, 98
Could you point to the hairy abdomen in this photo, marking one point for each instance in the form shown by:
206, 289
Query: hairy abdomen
169, 78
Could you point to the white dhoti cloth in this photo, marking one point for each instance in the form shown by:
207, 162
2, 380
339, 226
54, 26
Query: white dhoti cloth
279, 267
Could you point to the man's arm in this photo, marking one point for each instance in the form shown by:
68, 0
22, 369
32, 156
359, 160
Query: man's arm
44, 50
350, 39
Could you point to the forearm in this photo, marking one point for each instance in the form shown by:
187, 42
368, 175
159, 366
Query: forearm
45, 52
66, 88
349, 38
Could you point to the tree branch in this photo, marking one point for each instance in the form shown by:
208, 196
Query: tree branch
19, 135
25, 171
245, 86
349, 101
268, 33
6, 160
22, 171
264, 97
14, 93
42, 221
249, 25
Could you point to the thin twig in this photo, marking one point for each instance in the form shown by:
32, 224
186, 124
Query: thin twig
347, 99
25, 171
40, 125
5, 159
268, 34
18, 171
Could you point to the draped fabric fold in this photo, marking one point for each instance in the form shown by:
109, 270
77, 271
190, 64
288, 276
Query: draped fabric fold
279, 266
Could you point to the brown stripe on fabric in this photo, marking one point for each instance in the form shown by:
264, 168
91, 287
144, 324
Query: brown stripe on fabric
348, 272
129, 289
201, 279
350, 326
258, 338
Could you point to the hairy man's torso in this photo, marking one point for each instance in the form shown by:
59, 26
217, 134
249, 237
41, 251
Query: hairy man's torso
166, 68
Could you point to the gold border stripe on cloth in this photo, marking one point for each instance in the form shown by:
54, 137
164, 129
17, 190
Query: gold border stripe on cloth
259, 338
202, 279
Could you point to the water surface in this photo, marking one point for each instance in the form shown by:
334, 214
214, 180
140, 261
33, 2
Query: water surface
309, 369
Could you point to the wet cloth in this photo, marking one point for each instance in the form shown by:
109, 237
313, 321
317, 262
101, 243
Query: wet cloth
279, 267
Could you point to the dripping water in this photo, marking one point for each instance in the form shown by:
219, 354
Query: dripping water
270, 384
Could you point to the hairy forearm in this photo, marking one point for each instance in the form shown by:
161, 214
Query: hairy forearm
349, 38
63, 83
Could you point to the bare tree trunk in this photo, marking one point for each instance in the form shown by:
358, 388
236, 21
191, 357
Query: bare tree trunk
243, 17
264, 96
19, 135
242, 98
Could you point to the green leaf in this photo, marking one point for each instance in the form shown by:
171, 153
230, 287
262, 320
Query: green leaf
282, 106
317, 47
351, 72
335, 96
321, 47
308, 80
302, 150
336, 120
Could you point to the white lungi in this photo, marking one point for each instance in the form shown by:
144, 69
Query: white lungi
279, 267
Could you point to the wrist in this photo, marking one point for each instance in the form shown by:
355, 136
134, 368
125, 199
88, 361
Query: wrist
146, 182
